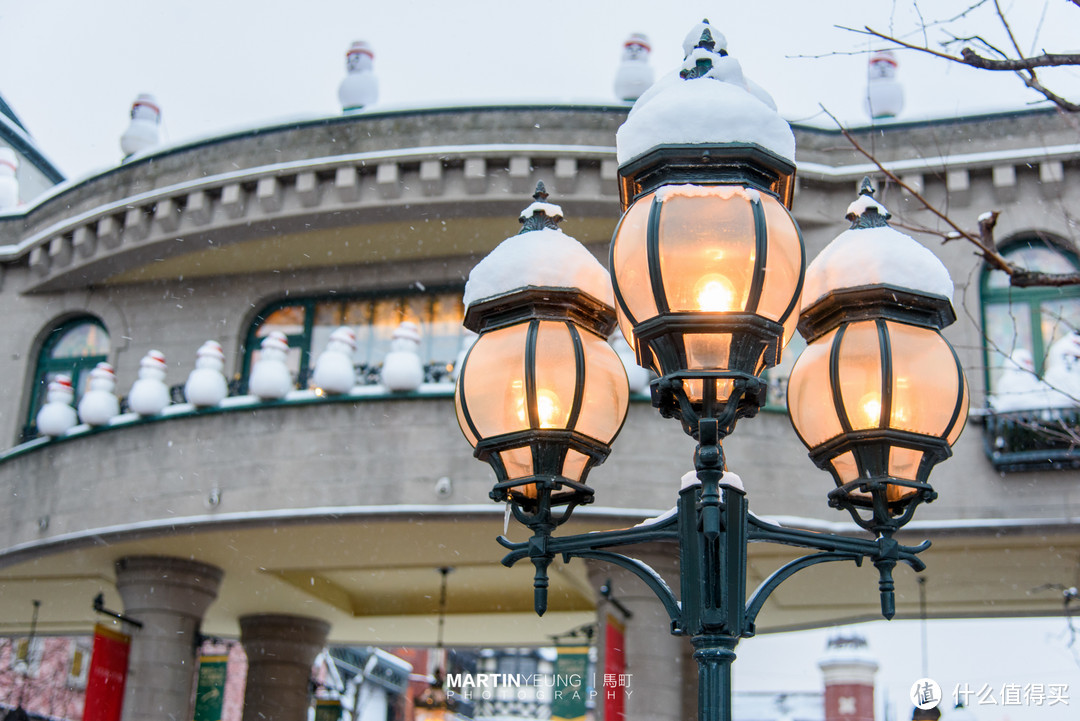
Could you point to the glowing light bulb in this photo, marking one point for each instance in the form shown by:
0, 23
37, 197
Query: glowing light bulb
547, 408
715, 294
871, 408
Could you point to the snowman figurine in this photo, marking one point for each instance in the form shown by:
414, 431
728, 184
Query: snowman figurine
57, 415
149, 395
634, 75
884, 93
402, 369
9, 184
270, 378
99, 404
206, 385
334, 371
359, 87
142, 133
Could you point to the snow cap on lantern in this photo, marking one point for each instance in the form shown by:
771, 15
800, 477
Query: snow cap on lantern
873, 254
544, 257
708, 101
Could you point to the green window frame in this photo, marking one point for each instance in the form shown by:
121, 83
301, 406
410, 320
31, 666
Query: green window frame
1031, 318
308, 321
73, 347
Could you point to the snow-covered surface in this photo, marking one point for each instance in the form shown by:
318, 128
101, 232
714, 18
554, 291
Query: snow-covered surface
549, 209
720, 106
871, 256
539, 258
703, 110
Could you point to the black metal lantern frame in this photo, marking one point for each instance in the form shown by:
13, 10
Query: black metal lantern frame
755, 341
580, 312
870, 448
712, 526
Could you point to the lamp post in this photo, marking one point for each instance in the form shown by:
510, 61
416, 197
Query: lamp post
706, 268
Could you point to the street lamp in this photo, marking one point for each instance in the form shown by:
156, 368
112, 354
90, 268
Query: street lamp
707, 267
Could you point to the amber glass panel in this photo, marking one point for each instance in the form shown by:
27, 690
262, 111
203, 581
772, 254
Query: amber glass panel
556, 379
574, 465
606, 396
925, 380
695, 389
708, 352
809, 394
707, 248
784, 263
903, 463
860, 375
518, 463
494, 381
846, 467
630, 264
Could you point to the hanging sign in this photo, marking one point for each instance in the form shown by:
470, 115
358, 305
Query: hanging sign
108, 673
613, 687
569, 691
210, 692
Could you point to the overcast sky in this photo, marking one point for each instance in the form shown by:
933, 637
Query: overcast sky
71, 68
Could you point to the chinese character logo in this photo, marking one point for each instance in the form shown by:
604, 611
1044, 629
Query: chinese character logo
925, 694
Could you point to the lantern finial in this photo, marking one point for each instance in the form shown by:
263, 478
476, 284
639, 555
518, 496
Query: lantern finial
540, 214
866, 212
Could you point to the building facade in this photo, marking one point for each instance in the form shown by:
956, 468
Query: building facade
323, 518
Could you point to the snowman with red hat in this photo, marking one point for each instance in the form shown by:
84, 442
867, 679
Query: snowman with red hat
57, 415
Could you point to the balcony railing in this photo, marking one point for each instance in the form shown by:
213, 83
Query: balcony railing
1034, 440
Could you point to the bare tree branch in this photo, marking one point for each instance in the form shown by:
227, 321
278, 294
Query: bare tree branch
984, 242
1024, 64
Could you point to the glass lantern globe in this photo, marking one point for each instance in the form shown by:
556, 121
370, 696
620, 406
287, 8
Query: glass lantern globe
541, 400
707, 281
878, 396
878, 403
541, 394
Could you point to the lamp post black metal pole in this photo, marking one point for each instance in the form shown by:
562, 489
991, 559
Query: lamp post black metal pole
712, 528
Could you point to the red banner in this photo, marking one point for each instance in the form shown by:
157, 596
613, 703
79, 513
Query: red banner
108, 673
613, 688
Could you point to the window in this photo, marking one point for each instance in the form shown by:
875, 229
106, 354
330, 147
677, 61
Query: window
1030, 319
1034, 426
72, 348
308, 323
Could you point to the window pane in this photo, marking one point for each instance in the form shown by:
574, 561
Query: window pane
443, 329
289, 320
85, 339
1008, 329
1058, 317
1032, 257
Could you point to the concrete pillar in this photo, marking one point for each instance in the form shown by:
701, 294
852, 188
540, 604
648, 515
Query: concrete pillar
654, 658
280, 650
169, 596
